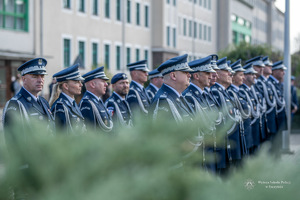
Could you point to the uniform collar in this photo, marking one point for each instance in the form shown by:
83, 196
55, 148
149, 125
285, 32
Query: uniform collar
195, 86
272, 77
137, 84
34, 97
236, 87
70, 99
154, 86
219, 85
98, 98
264, 78
246, 86
178, 95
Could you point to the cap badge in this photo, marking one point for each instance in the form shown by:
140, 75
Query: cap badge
40, 62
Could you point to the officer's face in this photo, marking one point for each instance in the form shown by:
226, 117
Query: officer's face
100, 86
214, 77
267, 70
182, 79
259, 70
33, 83
224, 78
238, 78
158, 81
204, 78
250, 79
121, 87
72, 88
142, 76
279, 74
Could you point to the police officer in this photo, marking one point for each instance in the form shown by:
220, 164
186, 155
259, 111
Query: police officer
168, 103
169, 100
276, 79
294, 102
156, 81
195, 93
249, 95
117, 104
263, 87
137, 97
196, 96
242, 105
26, 104
66, 112
91, 105
230, 150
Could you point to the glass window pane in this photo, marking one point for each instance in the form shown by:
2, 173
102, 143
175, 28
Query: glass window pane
107, 55
118, 57
137, 54
20, 23
95, 7
1, 5
10, 6
9, 22
128, 11
128, 51
66, 52
137, 14
20, 7
1, 21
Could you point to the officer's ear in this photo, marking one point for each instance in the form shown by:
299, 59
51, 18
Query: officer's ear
65, 85
173, 76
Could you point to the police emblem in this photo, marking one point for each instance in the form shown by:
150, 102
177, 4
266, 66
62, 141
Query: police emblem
40, 62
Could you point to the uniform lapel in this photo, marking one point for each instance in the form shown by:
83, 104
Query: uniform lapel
29, 98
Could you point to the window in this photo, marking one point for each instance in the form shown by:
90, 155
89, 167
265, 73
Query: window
195, 29
168, 35
82, 52
95, 7
146, 54
174, 2
205, 32
174, 37
128, 52
118, 57
168, 1
209, 5
67, 4
67, 52
184, 27
200, 2
137, 54
146, 16
118, 10
107, 9
106, 56
128, 11
94, 54
81, 6
14, 14
209, 34
200, 31
204, 4
190, 28
137, 13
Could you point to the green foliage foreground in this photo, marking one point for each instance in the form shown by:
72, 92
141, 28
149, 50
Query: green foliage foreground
144, 163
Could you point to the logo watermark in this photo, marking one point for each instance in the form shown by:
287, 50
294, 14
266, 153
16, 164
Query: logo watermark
250, 184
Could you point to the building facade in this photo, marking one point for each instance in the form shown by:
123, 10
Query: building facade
112, 33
